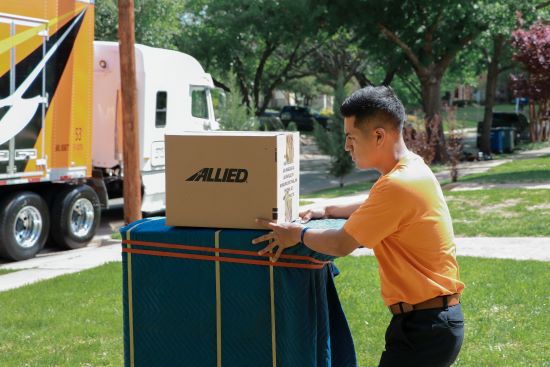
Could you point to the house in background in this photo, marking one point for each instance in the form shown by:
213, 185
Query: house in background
284, 98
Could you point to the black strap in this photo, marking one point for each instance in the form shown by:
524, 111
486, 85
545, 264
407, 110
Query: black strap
445, 302
401, 307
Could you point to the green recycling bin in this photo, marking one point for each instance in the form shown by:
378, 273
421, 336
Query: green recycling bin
509, 134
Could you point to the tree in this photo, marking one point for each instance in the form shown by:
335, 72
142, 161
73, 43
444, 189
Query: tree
233, 115
157, 21
532, 50
428, 34
494, 55
341, 52
265, 42
333, 141
347, 52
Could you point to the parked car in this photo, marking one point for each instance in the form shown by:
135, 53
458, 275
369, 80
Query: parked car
508, 119
302, 116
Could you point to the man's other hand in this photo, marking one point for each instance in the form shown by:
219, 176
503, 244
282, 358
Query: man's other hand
282, 235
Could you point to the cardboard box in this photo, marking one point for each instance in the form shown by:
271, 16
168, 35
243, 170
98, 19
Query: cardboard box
227, 179
202, 297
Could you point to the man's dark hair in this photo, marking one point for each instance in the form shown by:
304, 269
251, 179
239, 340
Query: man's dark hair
374, 103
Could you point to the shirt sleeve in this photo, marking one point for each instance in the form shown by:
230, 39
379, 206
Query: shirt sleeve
379, 216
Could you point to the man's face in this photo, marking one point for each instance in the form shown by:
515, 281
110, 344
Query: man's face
361, 144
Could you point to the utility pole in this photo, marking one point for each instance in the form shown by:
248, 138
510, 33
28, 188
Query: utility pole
130, 133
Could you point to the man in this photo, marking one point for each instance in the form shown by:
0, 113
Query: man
406, 221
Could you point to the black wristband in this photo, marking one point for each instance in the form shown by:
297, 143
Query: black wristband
304, 230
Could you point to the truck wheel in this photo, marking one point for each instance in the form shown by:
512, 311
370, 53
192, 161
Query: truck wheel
76, 212
24, 225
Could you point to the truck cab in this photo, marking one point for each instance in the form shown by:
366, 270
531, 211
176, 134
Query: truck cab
173, 93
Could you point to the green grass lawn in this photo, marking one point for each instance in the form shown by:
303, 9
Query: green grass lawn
76, 320
500, 212
72, 320
520, 170
505, 302
339, 191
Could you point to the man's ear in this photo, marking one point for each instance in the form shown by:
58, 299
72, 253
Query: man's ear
380, 135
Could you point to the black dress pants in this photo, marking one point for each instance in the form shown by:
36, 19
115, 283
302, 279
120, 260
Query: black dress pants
425, 338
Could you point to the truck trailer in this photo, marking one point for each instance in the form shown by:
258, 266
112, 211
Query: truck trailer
61, 123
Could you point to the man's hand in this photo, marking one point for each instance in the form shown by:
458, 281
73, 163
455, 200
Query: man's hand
314, 213
284, 235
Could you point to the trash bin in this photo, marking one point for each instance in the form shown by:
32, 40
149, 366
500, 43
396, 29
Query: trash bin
508, 135
497, 140
204, 297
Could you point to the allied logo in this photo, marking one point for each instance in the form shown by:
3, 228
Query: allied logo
236, 175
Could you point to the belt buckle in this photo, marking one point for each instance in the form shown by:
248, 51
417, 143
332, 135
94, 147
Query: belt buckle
405, 307
400, 308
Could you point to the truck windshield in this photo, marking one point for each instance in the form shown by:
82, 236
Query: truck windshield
199, 103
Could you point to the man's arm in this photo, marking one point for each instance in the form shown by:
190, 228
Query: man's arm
342, 210
332, 211
334, 242
326, 241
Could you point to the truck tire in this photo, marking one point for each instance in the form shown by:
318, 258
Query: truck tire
76, 211
24, 225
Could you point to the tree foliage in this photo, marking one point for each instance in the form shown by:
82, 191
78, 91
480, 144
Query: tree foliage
490, 55
427, 33
333, 140
265, 42
341, 52
532, 50
156, 21
233, 115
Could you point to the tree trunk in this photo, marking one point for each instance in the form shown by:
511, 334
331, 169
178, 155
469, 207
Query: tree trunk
490, 92
390, 73
544, 108
431, 103
221, 85
241, 80
260, 109
533, 124
362, 79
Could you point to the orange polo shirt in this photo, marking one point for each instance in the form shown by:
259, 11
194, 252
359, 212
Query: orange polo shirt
406, 221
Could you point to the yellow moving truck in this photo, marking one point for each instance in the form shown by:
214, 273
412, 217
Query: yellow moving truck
60, 122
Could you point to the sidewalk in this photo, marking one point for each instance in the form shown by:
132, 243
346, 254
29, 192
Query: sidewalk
516, 248
52, 264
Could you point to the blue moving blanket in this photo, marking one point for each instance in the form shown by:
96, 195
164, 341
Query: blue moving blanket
203, 297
